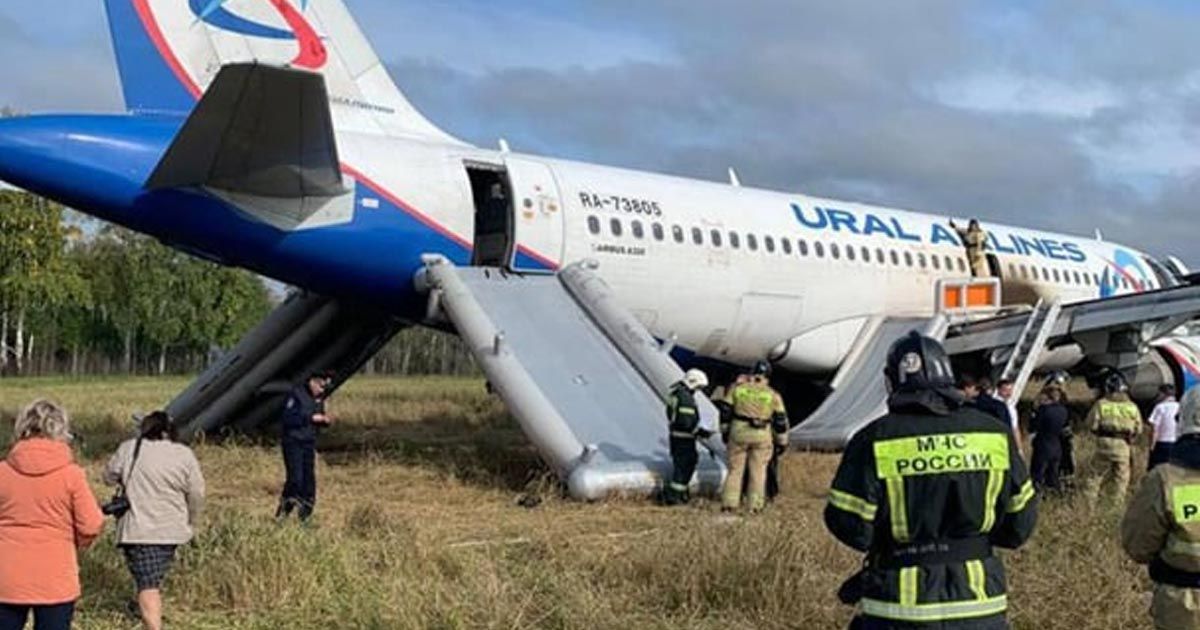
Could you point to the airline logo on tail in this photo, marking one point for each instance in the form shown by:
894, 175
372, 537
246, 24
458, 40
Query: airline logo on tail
312, 55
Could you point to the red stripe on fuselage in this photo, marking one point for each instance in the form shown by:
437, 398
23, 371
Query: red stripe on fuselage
405, 207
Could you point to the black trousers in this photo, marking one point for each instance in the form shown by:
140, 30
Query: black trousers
994, 622
1046, 464
300, 488
54, 617
683, 465
1160, 454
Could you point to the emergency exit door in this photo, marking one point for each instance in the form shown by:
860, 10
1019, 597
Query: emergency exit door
537, 245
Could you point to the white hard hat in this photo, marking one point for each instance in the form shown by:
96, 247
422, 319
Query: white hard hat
1189, 412
695, 379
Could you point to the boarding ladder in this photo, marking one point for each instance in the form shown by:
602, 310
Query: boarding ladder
581, 375
1030, 343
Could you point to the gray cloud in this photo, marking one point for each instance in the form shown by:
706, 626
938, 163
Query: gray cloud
840, 99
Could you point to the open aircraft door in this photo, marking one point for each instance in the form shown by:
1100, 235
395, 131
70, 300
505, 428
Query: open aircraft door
537, 245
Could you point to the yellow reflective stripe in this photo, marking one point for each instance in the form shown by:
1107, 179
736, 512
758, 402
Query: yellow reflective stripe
1021, 499
995, 482
850, 503
1180, 546
898, 508
1185, 500
908, 586
947, 453
976, 578
686, 410
935, 612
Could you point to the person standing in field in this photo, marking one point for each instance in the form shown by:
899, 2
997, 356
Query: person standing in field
1161, 527
1115, 421
1050, 421
303, 414
165, 490
758, 431
47, 514
926, 491
1162, 425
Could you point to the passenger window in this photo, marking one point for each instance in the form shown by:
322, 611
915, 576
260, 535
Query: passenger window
1045, 274
677, 233
908, 259
1056, 277
962, 265
802, 247
866, 254
921, 260
715, 235
879, 256
637, 230
1012, 270
657, 231
697, 236
594, 225
615, 227
1098, 280
769, 244
752, 242
895, 258
1024, 271
936, 262
819, 249
786, 245
1033, 272
949, 264
835, 252
850, 255
734, 241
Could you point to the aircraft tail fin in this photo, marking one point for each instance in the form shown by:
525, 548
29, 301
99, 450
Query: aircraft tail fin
169, 51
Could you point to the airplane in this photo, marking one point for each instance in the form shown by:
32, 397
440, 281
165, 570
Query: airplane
268, 135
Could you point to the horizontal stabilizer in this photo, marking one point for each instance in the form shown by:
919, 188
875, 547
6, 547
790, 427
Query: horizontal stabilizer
260, 131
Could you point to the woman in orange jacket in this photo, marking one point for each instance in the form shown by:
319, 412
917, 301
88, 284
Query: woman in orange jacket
47, 512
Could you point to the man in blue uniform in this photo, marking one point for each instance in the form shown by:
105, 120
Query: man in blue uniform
303, 414
926, 491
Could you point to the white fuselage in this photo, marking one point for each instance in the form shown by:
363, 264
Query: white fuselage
731, 272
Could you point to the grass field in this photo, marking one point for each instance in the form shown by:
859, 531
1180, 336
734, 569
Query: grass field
418, 527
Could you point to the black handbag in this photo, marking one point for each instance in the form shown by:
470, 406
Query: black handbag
119, 504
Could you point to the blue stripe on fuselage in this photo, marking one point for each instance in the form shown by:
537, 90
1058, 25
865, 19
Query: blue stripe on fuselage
98, 164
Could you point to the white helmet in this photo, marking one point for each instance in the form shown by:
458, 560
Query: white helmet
1189, 412
695, 379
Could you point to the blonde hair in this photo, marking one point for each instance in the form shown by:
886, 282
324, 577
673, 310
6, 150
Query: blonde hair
45, 419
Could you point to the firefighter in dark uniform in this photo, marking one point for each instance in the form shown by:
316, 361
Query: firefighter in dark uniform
926, 491
685, 429
303, 414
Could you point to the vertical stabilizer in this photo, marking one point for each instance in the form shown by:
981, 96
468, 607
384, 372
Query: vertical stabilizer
168, 52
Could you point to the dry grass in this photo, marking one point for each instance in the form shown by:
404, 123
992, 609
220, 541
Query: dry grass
418, 527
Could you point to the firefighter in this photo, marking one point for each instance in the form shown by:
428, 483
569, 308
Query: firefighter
1161, 528
974, 239
1115, 421
927, 491
758, 427
684, 425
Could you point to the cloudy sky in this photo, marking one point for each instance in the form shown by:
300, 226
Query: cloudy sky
1068, 115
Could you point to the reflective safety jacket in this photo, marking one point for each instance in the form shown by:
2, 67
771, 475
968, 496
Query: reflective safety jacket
682, 414
1115, 416
926, 491
757, 413
1162, 524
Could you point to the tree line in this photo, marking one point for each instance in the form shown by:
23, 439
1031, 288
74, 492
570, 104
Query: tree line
78, 298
